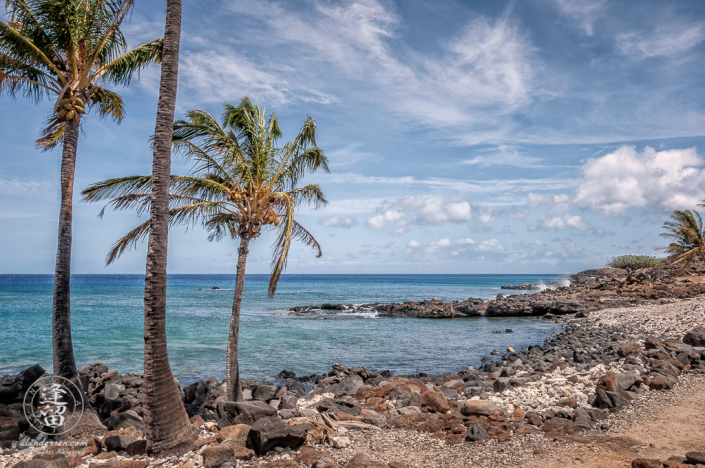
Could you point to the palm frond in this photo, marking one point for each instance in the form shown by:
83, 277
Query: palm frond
53, 133
128, 241
121, 69
109, 103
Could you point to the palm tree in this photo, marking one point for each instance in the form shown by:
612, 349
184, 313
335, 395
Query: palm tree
686, 229
167, 427
241, 185
68, 51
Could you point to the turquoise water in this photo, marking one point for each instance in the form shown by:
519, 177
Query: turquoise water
107, 321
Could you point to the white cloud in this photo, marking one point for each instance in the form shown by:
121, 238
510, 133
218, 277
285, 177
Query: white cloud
492, 245
558, 202
624, 179
503, 155
467, 241
559, 223
390, 219
445, 242
434, 210
335, 221
413, 244
585, 12
666, 41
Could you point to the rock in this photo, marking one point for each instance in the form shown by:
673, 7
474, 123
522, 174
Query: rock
229, 413
630, 349
138, 447
318, 433
583, 423
435, 401
478, 408
13, 388
348, 386
568, 402
269, 432
124, 420
610, 400
695, 337
626, 380
214, 457
338, 405
35, 463
237, 433
695, 458
607, 382
646, 463
340, 442
660, 382
477, 432
288, 402
559, 426
118, 443
264, 392
518, 414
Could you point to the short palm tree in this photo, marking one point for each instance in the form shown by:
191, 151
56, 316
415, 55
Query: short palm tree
687, 232
68, 50
242, 184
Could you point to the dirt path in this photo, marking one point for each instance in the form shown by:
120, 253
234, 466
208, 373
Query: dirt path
660, 425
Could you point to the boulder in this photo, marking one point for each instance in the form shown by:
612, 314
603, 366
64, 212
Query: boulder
348, 386
338, 405
695, 337
264, 392
478, 408
237, 433
477, 432
136, 448
646, 463
35, 463
228, 452
607, 382
629, 349
269, 432
229, 413
13, 388
124, 420
559, 426
435, 401
611, 401
118, 443
659, 382
695, 458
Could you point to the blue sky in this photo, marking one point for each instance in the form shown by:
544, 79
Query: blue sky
537, 136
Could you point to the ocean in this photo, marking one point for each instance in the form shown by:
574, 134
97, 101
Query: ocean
107, 323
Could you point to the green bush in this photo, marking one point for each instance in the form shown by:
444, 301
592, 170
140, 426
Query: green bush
633, 262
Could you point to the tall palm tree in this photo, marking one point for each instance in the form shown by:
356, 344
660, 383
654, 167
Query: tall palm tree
242, 184
687, 231
68, 51
167, 426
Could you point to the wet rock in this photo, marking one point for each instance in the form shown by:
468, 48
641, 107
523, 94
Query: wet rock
270, 432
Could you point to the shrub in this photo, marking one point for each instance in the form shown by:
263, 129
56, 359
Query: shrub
634, 262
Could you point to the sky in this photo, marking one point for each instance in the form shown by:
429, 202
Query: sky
464, 137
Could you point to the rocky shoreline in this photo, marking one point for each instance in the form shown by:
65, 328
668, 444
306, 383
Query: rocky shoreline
588, 291
570, 385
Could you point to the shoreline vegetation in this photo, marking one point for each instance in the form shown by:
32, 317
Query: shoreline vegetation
645, 338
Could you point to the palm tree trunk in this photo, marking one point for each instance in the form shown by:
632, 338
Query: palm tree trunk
232, 368
64, 362
167, 427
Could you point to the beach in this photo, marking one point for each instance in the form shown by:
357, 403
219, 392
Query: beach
614, 386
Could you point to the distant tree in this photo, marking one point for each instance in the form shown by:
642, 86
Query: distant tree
634, 262
242, 184
69, 51
686, 231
